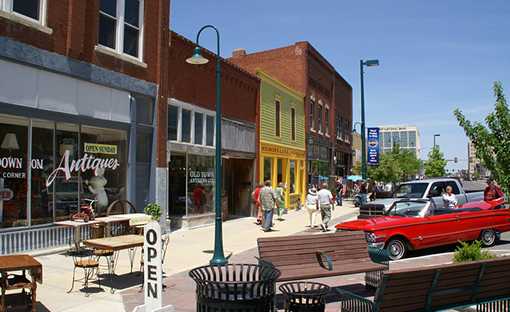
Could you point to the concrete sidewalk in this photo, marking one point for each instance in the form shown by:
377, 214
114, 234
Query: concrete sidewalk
187, 249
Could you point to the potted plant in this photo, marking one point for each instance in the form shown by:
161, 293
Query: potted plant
154, 211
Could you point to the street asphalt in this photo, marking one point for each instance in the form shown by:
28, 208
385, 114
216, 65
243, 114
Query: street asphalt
189, 249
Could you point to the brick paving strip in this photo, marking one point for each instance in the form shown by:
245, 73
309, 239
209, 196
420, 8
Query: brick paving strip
180, 290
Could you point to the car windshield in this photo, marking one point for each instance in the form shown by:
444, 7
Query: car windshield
412, 190
408, 208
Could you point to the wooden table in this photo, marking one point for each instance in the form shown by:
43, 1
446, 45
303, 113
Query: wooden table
76, 224
117, 243
19, 263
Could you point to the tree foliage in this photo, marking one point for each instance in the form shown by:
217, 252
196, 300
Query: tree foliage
434, 166
392, 166
492, 143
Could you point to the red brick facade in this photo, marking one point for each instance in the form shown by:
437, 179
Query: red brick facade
72, 31
304, 69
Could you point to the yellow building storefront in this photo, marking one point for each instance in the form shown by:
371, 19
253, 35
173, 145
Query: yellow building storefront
287, 165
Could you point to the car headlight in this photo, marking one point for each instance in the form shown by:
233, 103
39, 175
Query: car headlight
370, 237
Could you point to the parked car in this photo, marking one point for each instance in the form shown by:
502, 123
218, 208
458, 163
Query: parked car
428, 188
412, 224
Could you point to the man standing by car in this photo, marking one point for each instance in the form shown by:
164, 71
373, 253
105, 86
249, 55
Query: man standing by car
267, 199
492, 192
325, 203
364, 191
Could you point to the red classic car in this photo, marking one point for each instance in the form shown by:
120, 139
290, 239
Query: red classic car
416, 224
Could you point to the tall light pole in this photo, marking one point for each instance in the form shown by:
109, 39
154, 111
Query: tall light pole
198, 59
363, 134
435, 135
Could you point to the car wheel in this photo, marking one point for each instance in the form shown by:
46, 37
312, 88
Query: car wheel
397, 249
488, 237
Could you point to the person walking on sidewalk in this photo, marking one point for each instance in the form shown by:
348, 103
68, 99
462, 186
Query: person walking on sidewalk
311, 205
255, 200
339, 192
267, 199
364, 190
325, 203
280, 193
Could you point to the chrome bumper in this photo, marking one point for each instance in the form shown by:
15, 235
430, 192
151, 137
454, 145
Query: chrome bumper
379, 245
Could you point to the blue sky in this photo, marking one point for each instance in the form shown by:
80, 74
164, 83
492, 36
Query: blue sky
434, 55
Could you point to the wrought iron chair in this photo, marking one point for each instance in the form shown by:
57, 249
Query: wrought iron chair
90, 268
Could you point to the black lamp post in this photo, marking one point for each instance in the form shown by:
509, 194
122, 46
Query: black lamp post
363, 134
435, 135
197, 59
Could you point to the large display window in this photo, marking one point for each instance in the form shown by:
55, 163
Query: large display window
49, 169
191, 184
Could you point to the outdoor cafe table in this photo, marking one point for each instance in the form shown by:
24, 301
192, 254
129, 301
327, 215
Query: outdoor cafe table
19, 263
117, 243
78, 223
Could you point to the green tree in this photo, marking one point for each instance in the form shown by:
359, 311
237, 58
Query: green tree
434, 166
492, 143
388, 169
408, 162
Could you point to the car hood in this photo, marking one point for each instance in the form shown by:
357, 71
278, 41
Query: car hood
387, 202
377, 223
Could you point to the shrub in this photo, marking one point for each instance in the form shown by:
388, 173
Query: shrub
153, 210
471, 252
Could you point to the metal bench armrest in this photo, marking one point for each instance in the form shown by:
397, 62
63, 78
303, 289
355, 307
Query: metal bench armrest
265, 262
330, 266
381, 256
354, 303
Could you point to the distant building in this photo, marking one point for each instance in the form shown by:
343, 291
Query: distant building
407, 137
475, 163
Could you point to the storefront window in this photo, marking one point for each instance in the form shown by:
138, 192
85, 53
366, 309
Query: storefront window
201, 184
42, 166
65, 169
292, 181
268, 168
13, 167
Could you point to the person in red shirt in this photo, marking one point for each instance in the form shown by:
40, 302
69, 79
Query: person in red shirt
198, 199
255, 199
492, 192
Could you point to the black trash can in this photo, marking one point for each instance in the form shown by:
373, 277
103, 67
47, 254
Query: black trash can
235, 287
304, 296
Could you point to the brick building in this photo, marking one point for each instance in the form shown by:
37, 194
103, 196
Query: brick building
83, 83
328, 103
191, 136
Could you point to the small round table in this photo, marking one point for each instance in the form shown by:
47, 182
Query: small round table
304, 296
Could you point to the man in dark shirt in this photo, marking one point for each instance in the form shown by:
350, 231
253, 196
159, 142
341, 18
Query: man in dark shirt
492, 192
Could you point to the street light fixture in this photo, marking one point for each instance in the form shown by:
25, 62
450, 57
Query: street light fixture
435, 135
363, 134
197, 59
354, 127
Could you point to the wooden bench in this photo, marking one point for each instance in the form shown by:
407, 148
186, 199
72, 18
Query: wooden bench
436, 288
321, 255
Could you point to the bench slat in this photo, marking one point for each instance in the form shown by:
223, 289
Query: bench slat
456, 284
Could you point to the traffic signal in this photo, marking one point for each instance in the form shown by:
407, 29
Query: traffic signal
455, 160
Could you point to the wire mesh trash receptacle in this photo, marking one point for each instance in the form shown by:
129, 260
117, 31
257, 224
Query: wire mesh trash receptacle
304, 296
235, 287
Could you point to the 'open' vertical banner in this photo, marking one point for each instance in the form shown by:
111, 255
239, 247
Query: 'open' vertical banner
152, 266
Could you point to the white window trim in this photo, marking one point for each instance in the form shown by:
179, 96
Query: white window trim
119, 36
7, 13
193, 109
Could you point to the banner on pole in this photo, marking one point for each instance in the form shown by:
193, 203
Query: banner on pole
373, 146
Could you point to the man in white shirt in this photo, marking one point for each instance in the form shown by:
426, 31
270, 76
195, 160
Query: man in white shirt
325, 203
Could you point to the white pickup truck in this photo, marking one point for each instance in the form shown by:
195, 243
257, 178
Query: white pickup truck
427, 188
